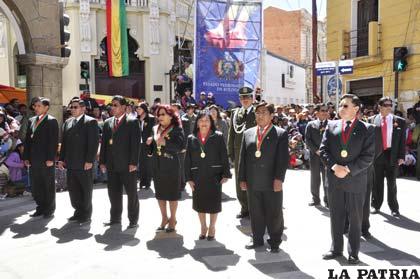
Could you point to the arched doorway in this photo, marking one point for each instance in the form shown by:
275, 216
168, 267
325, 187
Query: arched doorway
130, 86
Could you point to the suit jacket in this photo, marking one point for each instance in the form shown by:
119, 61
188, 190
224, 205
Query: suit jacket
80, 142
146, 132
259, 173
124, 149
234, 139
313, 135
41, 144
398, 137
360, 149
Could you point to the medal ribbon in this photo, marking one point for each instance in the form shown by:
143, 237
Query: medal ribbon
202, 140
346, 136
35, 125
119, 124
161, 135
261, 137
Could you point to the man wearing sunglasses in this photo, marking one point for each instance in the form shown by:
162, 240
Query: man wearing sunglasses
389, 154
347, 150
119, 156
79, 146
313, 136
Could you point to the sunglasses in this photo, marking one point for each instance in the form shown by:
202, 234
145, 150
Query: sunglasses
387, 105
74, 107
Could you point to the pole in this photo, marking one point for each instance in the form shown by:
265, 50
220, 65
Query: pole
396, 86
337, 88
314, 48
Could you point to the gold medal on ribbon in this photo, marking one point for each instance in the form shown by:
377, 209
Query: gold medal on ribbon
344, 153
158, 151
203, 155
257, 154
110, 142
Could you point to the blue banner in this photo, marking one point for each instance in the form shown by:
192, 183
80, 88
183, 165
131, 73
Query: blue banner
227, 48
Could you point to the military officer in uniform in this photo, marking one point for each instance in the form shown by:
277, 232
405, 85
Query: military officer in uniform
262, 168
119, 156
79, 145
242, 118
347, 150
40, 150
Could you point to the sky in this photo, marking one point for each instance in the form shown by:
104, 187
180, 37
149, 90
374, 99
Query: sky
298, 4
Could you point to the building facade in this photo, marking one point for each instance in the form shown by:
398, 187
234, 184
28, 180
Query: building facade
283, 80
155, 29
289, 35
367, 31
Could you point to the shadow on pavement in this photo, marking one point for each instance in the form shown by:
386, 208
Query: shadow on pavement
226, 198
277, 265
402, 222
114, 238
324, 211
145, 194
245, 226
71, 231
185, 196
214, 255
393, 256
168, 245
35, 225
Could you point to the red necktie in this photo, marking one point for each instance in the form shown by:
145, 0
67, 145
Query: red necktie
384, 133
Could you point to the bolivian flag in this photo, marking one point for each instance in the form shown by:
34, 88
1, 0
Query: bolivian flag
117, 42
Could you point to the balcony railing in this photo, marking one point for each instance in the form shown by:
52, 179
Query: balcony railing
362, 42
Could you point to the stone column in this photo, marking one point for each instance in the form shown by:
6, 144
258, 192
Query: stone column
44, 78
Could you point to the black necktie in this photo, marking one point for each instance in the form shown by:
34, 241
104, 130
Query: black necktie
246, 113
74, 122
346, 131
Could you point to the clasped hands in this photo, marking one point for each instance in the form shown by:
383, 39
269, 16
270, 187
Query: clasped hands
340, 171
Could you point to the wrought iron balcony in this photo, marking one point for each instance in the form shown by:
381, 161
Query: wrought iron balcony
362, 42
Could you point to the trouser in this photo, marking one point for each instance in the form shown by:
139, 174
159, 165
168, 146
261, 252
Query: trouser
317, 171
116, 182
80, 187
145, 167
383, 168
43, 188
266, 211
240, 194
341, 204
366, 205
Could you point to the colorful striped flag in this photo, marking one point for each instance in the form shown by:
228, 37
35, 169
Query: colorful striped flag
117, 42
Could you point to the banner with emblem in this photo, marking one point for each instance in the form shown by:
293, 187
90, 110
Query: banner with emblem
228, 42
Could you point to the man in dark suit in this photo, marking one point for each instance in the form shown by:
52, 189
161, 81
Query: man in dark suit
242, 118
40, 150
79, 146
313, 136
119, 155
389, 154
147, 121
347, 150
263, 163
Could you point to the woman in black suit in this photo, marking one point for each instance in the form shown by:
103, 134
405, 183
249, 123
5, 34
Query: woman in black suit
166, 144
206, 169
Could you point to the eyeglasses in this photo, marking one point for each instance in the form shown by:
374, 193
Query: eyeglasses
74, 107
387, 105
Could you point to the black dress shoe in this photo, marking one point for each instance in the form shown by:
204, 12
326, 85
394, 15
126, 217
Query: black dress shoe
35, 214
242, 215
395, 213
133, 226
367, 235
170, 230
274, 249
201, 237
312, 203
84, 221
210, 237
73, 218
48, 216
253, 245
331, 255
353, 260
112, 223
375, 211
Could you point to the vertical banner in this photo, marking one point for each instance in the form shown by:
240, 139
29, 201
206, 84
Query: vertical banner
228, 40
117, 39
